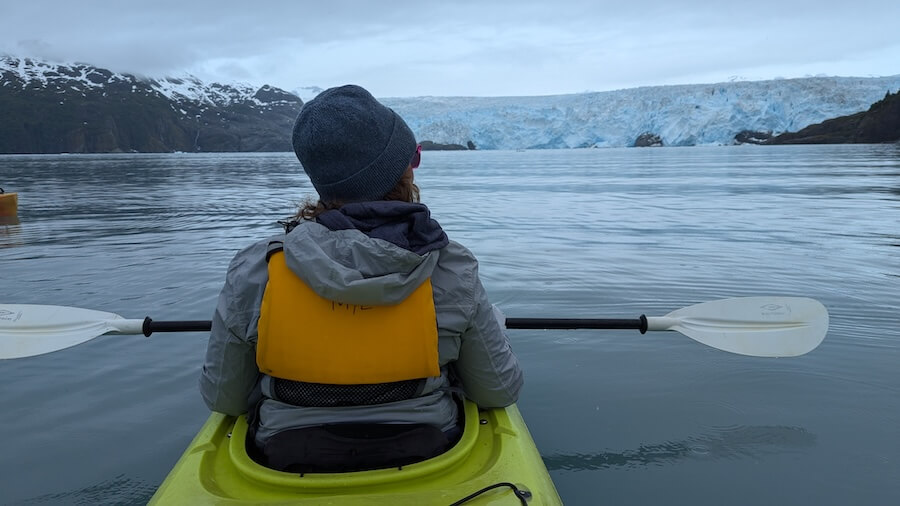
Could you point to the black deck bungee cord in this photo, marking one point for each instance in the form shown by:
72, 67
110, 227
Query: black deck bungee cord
522, 495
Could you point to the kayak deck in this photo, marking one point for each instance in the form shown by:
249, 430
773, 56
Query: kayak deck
495, 448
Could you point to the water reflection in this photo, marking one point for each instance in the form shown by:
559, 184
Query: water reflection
120, 490
726, 443
10, 232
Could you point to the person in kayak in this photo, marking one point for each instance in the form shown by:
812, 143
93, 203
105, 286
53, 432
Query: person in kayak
347, 338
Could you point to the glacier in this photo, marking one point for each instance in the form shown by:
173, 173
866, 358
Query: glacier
681, 115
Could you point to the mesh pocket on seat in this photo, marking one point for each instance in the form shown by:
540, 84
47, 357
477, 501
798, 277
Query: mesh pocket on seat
301, 393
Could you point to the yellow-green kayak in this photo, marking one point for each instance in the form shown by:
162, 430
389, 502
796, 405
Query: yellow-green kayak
495, 451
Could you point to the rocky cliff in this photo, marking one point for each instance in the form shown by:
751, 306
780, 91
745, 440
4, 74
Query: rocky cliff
880, 123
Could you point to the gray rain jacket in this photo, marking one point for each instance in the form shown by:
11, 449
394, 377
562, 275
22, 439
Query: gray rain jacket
368, 254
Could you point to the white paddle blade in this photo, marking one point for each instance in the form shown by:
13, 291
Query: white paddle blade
756, 326
28, 329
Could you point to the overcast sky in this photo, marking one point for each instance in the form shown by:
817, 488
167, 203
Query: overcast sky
400, 48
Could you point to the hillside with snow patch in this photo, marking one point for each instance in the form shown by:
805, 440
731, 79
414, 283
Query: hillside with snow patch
77, 108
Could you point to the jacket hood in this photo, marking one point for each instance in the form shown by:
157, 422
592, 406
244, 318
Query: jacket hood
372, 253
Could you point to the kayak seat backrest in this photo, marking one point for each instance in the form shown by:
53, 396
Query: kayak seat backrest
301, 393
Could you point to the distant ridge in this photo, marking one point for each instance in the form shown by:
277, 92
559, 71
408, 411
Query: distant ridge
79, 108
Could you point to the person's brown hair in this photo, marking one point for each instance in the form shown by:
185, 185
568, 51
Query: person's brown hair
405, 190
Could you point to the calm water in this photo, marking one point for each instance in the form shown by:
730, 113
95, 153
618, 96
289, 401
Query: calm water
620, 418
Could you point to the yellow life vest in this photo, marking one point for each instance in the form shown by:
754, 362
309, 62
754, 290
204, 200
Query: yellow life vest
305, 337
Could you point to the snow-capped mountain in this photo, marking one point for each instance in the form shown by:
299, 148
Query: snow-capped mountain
685, 115
49, 107
82, 77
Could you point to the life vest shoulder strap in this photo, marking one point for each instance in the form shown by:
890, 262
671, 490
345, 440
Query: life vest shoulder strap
272, 248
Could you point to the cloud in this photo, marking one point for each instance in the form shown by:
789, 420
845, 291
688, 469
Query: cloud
34, 46
464, 47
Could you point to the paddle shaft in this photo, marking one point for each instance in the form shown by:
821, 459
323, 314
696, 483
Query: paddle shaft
577, 323
151, 326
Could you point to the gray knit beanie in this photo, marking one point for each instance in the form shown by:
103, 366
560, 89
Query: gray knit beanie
353, 148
